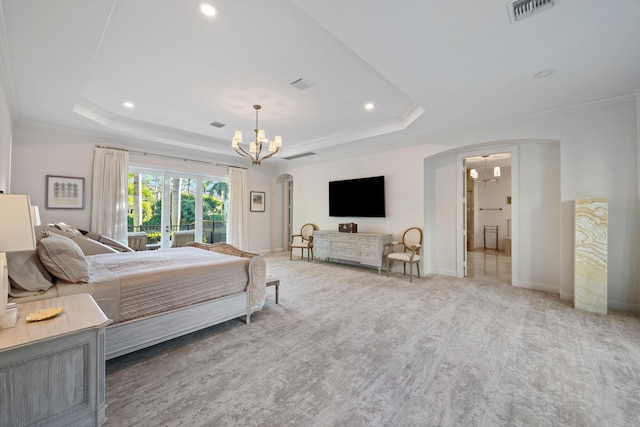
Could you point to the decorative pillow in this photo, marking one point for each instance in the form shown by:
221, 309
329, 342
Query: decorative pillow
26, 272
91, 247
63, 258
67, 229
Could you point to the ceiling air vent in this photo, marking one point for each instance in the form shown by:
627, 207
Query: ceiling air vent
521, 9
301, 84
217, 125
297, 156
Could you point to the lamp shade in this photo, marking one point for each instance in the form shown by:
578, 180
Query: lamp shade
16, 226
16, 234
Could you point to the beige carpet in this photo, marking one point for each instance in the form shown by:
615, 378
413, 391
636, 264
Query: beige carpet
347, 347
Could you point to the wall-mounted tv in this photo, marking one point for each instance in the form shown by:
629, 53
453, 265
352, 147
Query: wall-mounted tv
362, 197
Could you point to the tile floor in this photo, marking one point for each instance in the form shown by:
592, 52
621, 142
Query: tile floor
489, 265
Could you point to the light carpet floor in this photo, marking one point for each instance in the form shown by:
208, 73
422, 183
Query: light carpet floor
349, 347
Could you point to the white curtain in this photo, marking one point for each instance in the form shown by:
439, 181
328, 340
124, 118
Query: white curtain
238, 215
109, 195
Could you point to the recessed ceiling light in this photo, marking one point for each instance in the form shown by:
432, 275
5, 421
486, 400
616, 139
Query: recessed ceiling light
207, 9
128, 104
369, 106
544, 74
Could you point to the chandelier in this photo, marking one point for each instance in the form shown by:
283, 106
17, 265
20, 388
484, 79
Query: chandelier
496, 173
255, 147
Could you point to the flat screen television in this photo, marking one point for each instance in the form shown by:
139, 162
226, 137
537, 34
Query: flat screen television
362, 197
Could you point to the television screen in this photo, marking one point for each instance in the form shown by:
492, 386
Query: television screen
363, 197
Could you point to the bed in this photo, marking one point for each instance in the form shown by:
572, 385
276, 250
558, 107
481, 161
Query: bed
151, 296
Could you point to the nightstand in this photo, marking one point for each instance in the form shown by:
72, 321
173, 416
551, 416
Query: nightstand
53, 371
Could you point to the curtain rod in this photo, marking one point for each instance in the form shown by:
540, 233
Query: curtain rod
230, 166
168, 157
154, 154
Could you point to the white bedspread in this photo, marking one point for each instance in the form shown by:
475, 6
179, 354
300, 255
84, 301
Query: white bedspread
152, 282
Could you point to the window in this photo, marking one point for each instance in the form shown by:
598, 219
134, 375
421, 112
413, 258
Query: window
163, 202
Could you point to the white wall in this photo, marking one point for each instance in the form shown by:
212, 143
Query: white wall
39, 151
404, 197
538, 226
5, 139
260, 227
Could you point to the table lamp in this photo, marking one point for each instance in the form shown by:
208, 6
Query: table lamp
16, 234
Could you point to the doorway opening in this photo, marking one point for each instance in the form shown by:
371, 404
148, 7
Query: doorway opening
487, 222
283, 209
169, 209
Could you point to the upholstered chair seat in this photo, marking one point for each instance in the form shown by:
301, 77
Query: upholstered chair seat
408, 251
303, 241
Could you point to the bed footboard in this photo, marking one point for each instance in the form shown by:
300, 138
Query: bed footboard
256, 286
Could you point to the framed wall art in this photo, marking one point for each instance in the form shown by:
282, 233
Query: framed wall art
64, 192
256, 203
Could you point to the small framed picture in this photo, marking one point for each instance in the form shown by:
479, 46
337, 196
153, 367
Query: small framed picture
64, 192
256, 201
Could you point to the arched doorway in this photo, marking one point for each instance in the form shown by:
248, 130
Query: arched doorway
536, 211
283, 216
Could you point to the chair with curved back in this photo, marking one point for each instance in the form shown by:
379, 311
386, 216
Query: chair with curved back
137, 240
303, 241
181, 238
410, 254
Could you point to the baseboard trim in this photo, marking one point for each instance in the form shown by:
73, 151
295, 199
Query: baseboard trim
443, 272
567, 296
623, 306
614, 305
537, 286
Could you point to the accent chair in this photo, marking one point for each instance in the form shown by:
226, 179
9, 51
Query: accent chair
303, 241
408, 251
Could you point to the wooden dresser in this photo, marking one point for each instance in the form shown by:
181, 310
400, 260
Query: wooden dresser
362, 248
52, 372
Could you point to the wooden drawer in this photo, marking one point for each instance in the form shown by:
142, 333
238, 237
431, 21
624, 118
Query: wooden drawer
369, 255
343, 245
368, 247
321, 243
343, 238
321, 252
343, 253
373, 240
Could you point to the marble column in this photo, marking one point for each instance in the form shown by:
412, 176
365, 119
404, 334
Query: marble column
590, 292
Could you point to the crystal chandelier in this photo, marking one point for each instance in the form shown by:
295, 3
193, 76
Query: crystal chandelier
496, 173
255, 147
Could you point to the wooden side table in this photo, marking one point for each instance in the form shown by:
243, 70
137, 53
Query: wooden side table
53, 371
274, 281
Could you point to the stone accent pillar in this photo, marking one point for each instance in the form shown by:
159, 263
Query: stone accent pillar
590, 291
